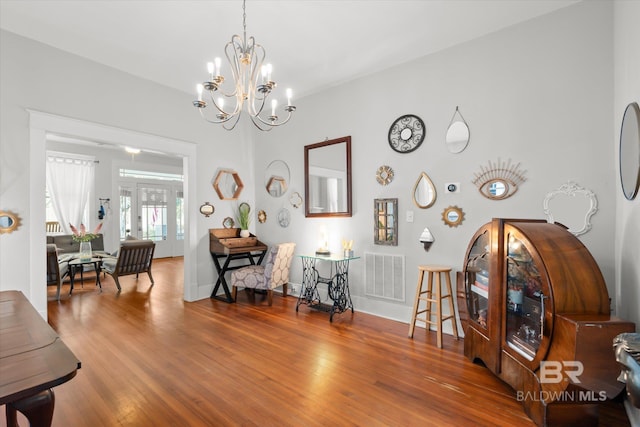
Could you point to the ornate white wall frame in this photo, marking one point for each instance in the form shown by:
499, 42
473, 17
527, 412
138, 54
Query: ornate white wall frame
572, 190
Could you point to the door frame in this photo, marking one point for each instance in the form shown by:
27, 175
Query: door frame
41, 124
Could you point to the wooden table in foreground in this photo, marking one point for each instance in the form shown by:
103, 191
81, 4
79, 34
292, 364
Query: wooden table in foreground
33, 359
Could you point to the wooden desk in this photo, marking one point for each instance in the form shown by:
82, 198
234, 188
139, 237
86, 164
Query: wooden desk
33, 359
226, 243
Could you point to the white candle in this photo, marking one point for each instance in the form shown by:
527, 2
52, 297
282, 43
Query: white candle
218, 67
274, 104
199, 89
210, 69
289, 93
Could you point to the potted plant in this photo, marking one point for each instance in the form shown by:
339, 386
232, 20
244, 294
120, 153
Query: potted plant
244, 219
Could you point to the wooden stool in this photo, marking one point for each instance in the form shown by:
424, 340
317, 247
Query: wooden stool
431, 296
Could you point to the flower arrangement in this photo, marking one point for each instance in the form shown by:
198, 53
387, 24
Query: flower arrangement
81, 235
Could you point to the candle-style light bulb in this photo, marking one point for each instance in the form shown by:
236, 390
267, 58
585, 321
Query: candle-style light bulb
289, 93
269, 68
199, 89
210, 69
221, 103
264, 74
218, 67
274, 104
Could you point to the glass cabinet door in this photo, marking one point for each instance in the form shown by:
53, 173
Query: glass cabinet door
525, 299
477, 279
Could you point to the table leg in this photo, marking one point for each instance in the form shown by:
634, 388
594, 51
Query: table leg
96, 267
72, 274
221, 280
37, 408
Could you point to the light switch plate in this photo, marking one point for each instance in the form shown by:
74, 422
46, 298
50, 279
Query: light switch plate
409, 216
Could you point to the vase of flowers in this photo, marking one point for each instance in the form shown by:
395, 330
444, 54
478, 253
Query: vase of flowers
80, 235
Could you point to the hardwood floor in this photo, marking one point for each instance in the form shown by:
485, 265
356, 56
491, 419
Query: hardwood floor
150, 359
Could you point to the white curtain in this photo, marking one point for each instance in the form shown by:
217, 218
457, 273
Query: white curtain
70, 180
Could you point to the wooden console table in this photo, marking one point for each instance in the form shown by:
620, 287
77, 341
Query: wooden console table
33, 359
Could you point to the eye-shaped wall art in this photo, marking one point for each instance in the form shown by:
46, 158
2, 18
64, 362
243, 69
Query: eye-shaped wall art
499, 180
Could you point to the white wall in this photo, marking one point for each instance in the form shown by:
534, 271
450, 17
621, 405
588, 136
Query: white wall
38, 77
626, 90
539, 93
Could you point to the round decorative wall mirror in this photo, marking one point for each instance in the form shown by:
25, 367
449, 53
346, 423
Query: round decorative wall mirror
424, 192
384, 175
8, 222
630, 151
276, 178
457, 136
406, 133
453, 216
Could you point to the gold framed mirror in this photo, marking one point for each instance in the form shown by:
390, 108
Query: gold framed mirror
327, 178
228, 184
385, 219
424, 192
207, 209
453, 216
9, 222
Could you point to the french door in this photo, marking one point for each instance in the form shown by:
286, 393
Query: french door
154, 212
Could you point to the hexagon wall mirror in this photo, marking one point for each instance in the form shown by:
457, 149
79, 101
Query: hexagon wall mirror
228, 184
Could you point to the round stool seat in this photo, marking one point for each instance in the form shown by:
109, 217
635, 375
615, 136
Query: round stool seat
435, 268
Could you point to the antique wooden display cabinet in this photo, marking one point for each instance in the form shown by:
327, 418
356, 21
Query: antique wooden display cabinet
539, 318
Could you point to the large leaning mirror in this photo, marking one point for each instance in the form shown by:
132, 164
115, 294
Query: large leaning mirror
276, 178
327, 178
571, 206
424, 192
630, 151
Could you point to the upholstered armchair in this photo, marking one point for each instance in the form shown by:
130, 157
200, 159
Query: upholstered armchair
274, 273
133, 257
55, 270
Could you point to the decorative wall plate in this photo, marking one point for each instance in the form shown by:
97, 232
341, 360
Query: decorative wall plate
406, 133
284, 217
384, 175
262, 217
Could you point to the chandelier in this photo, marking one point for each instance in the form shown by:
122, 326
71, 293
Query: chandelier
252, 85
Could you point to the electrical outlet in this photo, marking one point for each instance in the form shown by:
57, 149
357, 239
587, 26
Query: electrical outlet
293, 290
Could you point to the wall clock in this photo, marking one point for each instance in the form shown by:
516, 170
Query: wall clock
406, 133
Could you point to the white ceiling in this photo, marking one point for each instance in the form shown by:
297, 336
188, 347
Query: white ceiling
312, 44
